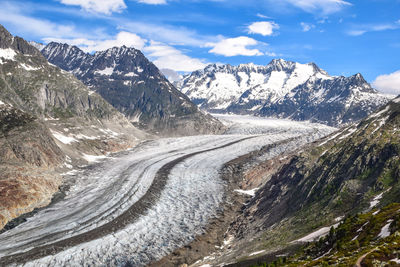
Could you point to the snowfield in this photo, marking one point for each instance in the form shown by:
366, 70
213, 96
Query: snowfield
102, 193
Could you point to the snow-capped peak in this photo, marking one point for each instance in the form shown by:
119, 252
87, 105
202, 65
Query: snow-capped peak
217, 87
255, 89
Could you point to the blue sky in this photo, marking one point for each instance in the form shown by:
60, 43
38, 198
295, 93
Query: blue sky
343, 37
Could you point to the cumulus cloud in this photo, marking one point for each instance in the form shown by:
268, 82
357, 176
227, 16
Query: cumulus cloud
235, 47
306, 26
122, 38
98, 6
388, 83
153, 2
262, 27
168, 57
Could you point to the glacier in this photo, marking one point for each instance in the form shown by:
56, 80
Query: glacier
101, 193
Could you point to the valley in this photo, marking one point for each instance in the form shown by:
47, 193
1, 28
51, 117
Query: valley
199, 133
148, 201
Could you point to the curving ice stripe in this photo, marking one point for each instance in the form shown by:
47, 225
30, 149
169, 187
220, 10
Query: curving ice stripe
192, 195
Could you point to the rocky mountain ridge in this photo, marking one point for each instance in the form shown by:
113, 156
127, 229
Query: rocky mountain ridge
134, 86
50, 122
282, 89
352, 171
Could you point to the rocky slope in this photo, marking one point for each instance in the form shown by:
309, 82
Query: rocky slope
50, 123
282, 89
134, 86
351, 171
68, 107
28, 158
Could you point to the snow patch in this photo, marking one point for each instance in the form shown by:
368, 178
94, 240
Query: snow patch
376, 212
131, 74
338, 219
63, 138
396, 260
375, 201
93, 158
315, 235
385, 230
109, 132
349, 132
377, 114
107, 71
250, 192
257, 252
7, 53
330, 138
27, 67
82, 136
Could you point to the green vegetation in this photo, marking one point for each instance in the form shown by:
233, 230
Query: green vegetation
62, 113
355, 236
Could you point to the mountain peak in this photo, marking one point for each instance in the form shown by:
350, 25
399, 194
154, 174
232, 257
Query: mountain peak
135, 87
357, 79
281, 64
358, 76
6, 38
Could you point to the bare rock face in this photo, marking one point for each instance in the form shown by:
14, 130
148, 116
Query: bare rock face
134, 86
28, 158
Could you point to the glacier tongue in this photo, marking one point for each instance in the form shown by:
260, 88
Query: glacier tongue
192, 195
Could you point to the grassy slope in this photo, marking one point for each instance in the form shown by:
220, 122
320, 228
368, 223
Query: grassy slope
338, 176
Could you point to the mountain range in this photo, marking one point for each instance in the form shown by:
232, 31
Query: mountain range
282, 89
132, 84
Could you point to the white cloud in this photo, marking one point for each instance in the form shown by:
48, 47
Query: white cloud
13, 17
153, 2
362, 29
122, 38
262, 27
167, 34
317, 6
356, 32
168, 57
171, 75
388, 83
98, 6
235, 47
306, 26
262, 16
